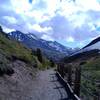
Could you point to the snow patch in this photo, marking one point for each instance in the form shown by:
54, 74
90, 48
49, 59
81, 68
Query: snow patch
32, 36
55, 46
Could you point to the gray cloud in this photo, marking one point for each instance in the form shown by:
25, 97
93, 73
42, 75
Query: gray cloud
62, 27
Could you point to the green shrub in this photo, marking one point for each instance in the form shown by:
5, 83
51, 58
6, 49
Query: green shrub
92, 65
4, 68
13, 48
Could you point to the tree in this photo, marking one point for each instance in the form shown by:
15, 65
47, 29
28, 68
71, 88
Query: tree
39, 55
33, 52
52, 63
1, 30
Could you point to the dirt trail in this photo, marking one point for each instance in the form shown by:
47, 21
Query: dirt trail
46, 87
25, 84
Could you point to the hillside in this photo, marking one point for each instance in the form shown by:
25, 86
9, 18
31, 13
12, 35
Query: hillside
18, 68
12, 50
88, 61
92, 49
51, 49
93, 42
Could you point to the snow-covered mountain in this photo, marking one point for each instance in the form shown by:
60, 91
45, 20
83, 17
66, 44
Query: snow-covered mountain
32, 36
51, 49
93, 45
90, 50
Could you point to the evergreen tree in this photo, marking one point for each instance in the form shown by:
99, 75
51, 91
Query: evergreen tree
33, 52
39, 55
1, 30
52, 63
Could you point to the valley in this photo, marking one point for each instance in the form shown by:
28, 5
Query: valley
49, 49
27, 70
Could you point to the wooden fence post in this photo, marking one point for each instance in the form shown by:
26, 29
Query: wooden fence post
77, 82
58, 67
70, 74
62, 70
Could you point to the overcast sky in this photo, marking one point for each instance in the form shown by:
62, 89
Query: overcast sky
73, 23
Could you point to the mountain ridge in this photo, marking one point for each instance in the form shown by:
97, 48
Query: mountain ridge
93, 42
90, 50
51, 49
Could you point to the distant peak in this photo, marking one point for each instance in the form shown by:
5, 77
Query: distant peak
93, 42
16, 31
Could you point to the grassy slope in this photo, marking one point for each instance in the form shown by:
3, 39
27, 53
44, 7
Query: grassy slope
92, 67
91, 71
12, 48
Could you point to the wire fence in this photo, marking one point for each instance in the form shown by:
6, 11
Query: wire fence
82, 84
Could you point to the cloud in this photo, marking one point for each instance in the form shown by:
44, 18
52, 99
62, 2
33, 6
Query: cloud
88, 5
38, 28
60, 25
67, 21
47, 37
21, 6
7, 30
70, 39
10, 19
